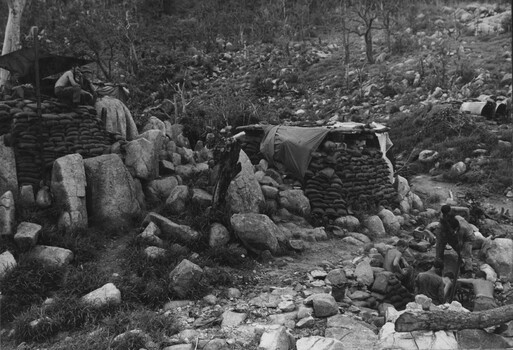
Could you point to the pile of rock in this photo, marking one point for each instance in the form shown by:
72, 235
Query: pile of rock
348, 179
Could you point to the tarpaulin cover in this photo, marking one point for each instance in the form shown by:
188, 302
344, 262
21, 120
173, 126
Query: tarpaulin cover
22, 63
291, 146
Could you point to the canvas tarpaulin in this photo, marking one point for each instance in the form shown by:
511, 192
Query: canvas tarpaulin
292, 146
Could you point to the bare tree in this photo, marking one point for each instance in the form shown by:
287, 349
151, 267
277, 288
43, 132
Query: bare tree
389, 10
12, 33
366, 13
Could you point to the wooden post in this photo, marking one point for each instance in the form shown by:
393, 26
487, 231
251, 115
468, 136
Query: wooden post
35, 32
453, 320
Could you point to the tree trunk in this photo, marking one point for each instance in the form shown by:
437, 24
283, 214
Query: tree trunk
12, 33
453, 320
368, 45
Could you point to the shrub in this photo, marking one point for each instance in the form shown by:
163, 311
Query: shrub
32, 326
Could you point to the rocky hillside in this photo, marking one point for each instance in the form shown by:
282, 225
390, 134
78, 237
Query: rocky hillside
114, 242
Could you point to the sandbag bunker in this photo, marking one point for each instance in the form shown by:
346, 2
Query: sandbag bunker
341, 167
38, 142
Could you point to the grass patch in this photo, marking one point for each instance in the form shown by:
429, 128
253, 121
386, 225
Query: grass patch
82, 279
27, 284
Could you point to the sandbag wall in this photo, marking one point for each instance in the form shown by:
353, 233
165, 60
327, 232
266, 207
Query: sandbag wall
343, 180
37, 143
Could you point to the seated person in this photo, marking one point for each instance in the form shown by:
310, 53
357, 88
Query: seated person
483, 290
72, 87
434, 286
396, 263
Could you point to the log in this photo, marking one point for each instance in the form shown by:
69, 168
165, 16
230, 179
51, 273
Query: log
453, 320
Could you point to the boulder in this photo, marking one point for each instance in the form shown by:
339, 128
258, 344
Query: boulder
354, 334
177, 199
480, 339
7, 262
44, 197
111, 193
319, 343
172, 230
275, 338
336, 277
256, 231
142, 159
349, 222
151, 234
8, 175
105, 295
499, 255
51, 256
118, 118
402, 186
185, 277
69, 190
375, 225
295, 201
324, 304
457, 170
389, 338
428, 156
158, 190
152, 252
390, 221
244, 194
7, 214
26, 235
154, 123
232, 319
201, 197
219, 235
364, 273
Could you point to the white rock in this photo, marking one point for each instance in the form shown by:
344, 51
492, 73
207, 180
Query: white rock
105, 295
7, 262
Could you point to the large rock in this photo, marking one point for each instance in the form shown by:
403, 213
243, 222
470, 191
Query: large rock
233, 319
319, 343
172, 230
390, 221
499, 255
349, 222
7, 262
219, 235
118, 118
354, 334
106, 295
51, 256
480, 339
184, 277
403, 188
244, 194
177, 199
457, 170
390, 339
158, 190
256, 231
157, 138
111, 192
364, 273
142, 159
275, 338
374, 224
154, 123
295, 201
201, 197
7, 214
8, 175
324, 304
26, 235
69, 191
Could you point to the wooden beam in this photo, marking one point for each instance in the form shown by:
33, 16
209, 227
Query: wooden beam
453, 320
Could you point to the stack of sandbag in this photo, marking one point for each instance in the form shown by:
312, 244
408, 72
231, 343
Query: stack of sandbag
250, 144
388, 289
325, 190
38, 142
345, 179
5, 118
